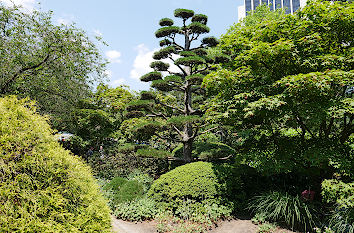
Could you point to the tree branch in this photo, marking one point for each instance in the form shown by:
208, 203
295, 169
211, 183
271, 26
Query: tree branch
15, 76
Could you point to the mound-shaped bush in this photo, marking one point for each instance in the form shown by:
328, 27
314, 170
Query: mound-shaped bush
200, 183
43, 188
124, 190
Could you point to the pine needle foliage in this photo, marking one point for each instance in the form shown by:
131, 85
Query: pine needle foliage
182, 80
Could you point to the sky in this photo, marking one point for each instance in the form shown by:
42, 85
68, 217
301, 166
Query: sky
128, 27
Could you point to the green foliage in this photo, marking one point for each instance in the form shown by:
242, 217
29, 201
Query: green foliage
207, 150
190, 61
199, 28
122, 164
151, 76
338, 192
200, 18
342, 220
164, 53
139, 104
173, 78
143, 178
153, 153
187, 94
54, 65
165, 42
166, 22
137, 210
115, 184
183, 13
43, 188
282, 207
196, 79
147, 95
266, 228
211, 41
161, 85
159, 66
166, 31
281, 88
196, 182
124, 190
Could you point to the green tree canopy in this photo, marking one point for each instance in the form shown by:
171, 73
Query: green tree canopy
54, 65
287, 93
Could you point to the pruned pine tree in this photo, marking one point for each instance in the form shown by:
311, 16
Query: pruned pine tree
183, 117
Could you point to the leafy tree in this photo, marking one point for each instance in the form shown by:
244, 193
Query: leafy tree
100, 116
176, 103
287, 94
53, 65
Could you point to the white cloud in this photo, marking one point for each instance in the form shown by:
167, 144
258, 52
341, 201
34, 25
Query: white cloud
117, 82
66, 19
142, 61
97, 33
113, 56
108, 73
27, 4
113, 82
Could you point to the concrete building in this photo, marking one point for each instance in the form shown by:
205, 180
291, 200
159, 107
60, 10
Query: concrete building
290, 6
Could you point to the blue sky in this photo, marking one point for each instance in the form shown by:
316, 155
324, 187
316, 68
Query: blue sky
128, 27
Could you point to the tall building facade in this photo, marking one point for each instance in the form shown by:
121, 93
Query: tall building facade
290, 6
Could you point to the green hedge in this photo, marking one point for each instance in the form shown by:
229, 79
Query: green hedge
43, 187
202, 184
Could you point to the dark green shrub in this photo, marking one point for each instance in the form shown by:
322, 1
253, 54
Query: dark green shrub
129, 191
115, 184
284, 208
206, 150
142, 178
196, 182
43, 187
119, 164
124, 190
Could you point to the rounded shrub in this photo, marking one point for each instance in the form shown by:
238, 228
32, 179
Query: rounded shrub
43, 187
124, 190
196, 182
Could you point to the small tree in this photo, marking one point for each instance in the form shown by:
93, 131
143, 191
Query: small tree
183, 114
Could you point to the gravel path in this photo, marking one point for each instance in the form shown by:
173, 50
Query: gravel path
232, 226
120, 226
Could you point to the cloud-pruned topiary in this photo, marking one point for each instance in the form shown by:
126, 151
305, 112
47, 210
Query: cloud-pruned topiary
197, 182
43, 187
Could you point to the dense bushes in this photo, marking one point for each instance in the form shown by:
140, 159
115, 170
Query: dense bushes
43, 188
196, 182
124, 190
206, 150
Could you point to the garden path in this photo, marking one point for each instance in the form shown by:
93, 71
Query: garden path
232, 226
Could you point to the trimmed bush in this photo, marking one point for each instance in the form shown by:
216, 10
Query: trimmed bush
196, 182
43, 187
124, 190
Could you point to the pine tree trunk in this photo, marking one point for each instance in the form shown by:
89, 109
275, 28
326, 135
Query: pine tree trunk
187, 151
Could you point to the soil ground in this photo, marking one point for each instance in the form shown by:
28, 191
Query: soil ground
232, 226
